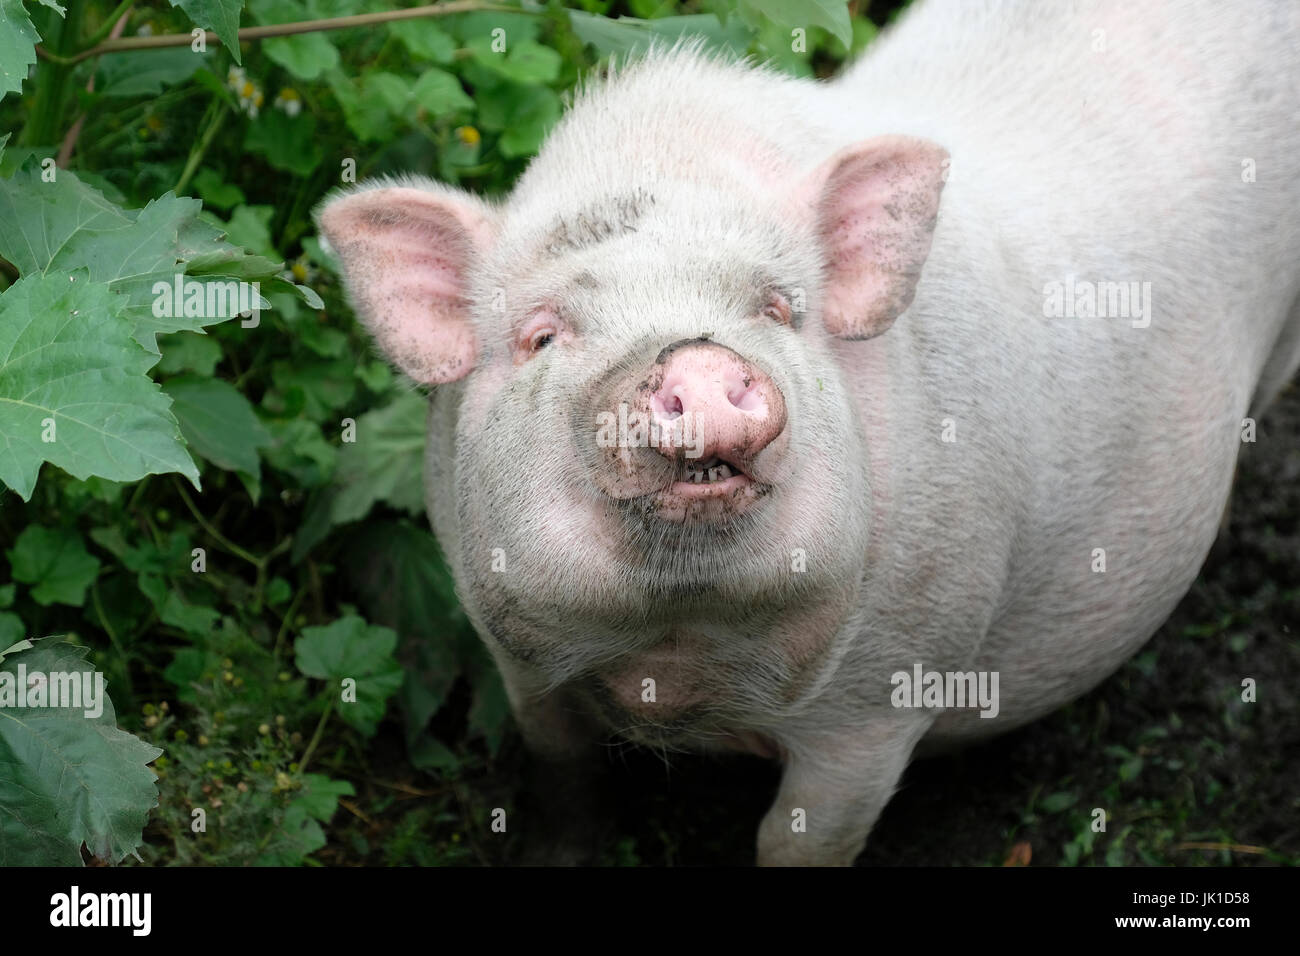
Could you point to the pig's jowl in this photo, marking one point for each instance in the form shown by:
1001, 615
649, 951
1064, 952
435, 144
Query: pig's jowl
760, 401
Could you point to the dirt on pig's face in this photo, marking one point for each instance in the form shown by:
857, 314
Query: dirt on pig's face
655, 436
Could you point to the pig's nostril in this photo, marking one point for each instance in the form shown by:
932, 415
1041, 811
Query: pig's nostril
669, 406
747, 398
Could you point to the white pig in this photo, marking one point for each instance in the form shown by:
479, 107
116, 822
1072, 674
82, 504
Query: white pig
945, 362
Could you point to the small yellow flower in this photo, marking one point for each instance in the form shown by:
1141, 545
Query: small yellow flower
468, 135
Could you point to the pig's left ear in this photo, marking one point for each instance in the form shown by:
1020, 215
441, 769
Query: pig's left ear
406, 253
875, 205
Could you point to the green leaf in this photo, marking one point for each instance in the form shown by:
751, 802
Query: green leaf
351, 648
216, 192
831, 15
173, 610
440, 93
404, 583
489, 711
535, 112
306, 56
288, 142
54, 563
386, 462
424, 40
218, 422
189, 352
73, 388
17, 45
365, 108
67, 779
146, 72
1058, 802
9, 633
319, 796
250, 228
627, 35
65, 224
295, 837
392, 90
219, 16
525, 62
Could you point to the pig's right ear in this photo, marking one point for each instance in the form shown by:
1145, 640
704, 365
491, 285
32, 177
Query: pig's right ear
875, 204
406, 253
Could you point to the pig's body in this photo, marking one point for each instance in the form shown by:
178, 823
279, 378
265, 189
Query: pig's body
947, 483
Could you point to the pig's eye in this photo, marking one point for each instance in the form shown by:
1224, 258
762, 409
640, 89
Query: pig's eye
777, 308
544, 327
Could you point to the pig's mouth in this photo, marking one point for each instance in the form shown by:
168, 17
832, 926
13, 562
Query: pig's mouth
710, 478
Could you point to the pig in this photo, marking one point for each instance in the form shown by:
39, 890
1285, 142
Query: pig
842, 421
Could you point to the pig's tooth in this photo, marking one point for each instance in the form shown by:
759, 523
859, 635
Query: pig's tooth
724, 472
713, 474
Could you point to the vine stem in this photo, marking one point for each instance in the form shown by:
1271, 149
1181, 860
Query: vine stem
315, 738
217, 536
201, 147
282, 29
115, 23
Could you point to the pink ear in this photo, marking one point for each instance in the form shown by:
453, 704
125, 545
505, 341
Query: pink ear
405, 253
876, 204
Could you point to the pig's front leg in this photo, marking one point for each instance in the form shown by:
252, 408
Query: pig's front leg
561, 815
834, 786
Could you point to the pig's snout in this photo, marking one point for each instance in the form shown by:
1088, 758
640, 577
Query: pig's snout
724, 407
702, 429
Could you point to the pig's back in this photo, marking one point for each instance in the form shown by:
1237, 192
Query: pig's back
1120, 163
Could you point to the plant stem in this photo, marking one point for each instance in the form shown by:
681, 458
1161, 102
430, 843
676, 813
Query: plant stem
201, 147
283, 29
106, 27
315, 738
52, 80
287, 622
217, 536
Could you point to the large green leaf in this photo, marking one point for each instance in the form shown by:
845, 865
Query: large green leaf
66, 224
67, 779
74, 389
351, 648
218, 422
17, 45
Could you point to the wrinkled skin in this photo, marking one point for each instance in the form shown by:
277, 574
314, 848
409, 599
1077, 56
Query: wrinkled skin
918, 463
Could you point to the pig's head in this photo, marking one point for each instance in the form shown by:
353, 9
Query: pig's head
651, 430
